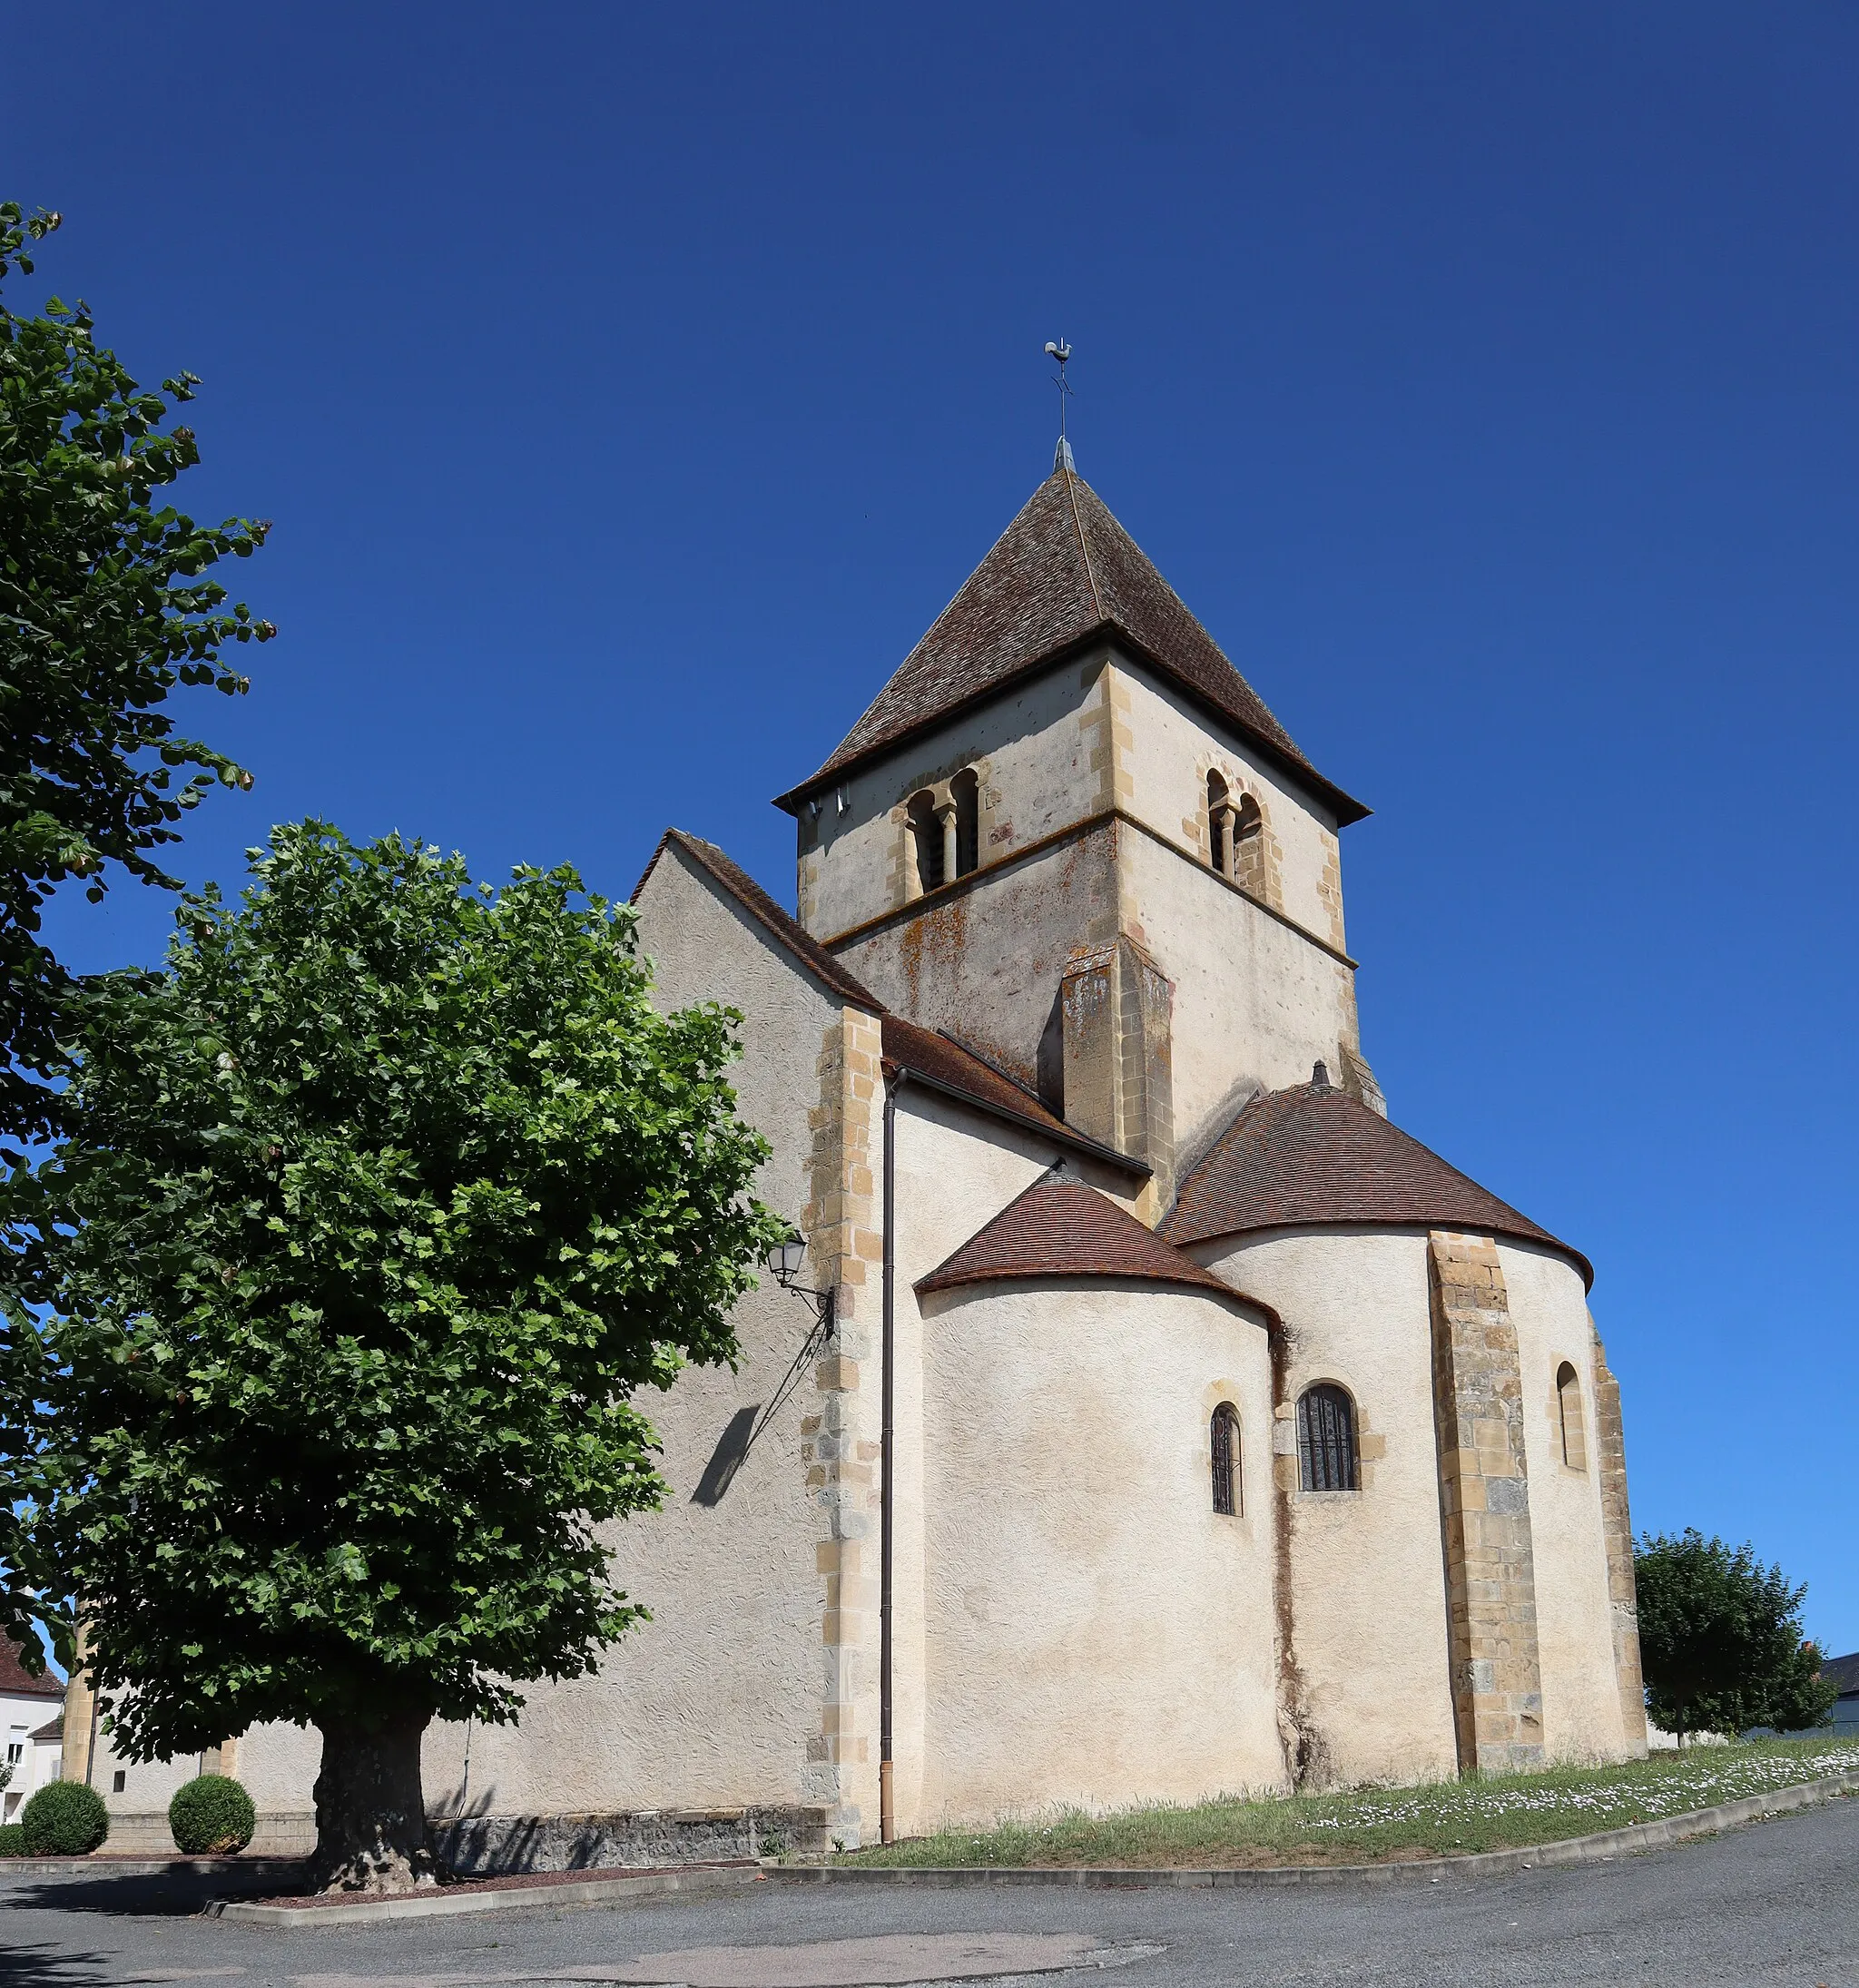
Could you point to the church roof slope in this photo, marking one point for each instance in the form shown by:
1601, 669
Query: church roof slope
945, 1066
766, 913
1312, 1156
1062, 1228
935, 1059
1063, 572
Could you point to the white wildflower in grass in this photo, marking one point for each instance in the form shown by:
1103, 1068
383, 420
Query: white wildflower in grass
1442, 1819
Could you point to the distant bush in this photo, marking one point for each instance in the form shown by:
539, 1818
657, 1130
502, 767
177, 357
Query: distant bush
212, 1816
64, 1819
12, 1840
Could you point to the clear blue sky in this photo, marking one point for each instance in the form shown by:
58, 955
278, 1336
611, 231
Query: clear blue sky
630, 389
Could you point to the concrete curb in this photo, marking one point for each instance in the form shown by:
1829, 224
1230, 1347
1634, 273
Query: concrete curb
1595, 1849
608, 1887
102, 1864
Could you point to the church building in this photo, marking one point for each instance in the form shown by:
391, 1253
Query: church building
1149, 1418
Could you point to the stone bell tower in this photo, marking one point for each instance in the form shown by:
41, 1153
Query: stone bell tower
1069, 834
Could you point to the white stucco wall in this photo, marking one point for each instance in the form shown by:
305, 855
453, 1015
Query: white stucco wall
1368, 1589
1093, 1633
1575, 1639
1171, 746
713, 1701
1255, 1002
986, 960
1032, 750
957, 1169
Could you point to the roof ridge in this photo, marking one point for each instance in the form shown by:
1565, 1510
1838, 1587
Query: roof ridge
1071, 491
723, 869
1000, 1069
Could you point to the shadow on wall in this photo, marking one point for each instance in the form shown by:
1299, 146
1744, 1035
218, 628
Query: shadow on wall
727, 1458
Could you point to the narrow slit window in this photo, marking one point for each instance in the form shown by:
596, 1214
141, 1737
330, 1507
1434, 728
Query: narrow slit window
1226, 1460
965, 790
1246, 855
926, 837
1569, 1410
1219, 825
1326, 1440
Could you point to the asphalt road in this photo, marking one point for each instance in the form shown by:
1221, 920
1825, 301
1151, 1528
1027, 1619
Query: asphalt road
1774, 1903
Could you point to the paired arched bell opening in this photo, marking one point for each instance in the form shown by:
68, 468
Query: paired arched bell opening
945, 833
1235, 835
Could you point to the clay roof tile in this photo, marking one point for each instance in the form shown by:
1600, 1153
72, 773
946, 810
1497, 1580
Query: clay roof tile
1061, 1228
17, 1682
1312, 1157
1064, 572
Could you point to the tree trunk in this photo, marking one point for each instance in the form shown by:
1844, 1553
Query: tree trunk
371, 1811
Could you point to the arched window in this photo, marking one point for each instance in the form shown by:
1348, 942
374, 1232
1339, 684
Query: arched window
1326, 1440
966, 790
1246, 854
925, 840
1219, 823
1568, 1407
1225, 1445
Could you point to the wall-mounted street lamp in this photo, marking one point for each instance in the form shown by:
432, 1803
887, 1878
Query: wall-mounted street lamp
783, 1263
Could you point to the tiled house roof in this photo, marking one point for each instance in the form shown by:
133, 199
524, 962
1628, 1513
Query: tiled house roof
1312, 1157
17, 1682
1064, 573
1062, 1228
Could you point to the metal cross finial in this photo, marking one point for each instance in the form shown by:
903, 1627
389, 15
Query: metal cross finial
1057, 348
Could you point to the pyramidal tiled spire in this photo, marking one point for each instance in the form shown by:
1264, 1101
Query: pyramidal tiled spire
1063, 572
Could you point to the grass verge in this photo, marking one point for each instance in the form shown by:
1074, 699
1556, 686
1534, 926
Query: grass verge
1376, 1825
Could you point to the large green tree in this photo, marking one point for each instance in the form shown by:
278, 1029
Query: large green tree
105, 606
376, 1208
1720, 1641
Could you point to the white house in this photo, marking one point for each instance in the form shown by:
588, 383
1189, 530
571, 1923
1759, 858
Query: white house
30, 1709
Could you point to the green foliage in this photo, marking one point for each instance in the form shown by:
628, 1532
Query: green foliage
105, 606
64, 1819
380, 1204
1721, 1640
12, 1840
211, 1816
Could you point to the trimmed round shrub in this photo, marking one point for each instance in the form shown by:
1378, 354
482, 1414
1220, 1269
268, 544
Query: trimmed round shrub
212, 1816
64, 1819
12, 1840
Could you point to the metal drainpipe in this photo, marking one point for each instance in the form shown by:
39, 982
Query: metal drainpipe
887, 1815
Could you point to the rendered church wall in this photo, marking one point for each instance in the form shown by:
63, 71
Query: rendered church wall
1369, 1597
1170, 749
715, 1700
1255, 1003
1033, 748
986, 963
1094, 1633
956, 1170
1575, 1637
